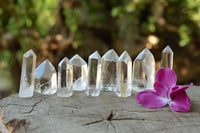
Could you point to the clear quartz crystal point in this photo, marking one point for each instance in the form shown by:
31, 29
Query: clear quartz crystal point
167, 58
27, 75
124, 75
143, 71
79, 73
109, 70
65, 78
45, 78
94, 75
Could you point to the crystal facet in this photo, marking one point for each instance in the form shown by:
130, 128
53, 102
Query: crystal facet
109, 66
124, 73
45, 78
167, 58
143, 71
65, 78
94, 75
27, 75
79, 73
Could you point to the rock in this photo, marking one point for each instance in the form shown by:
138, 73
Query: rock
105, 113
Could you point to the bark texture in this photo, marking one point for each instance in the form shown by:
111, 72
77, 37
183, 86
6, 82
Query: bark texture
104, 114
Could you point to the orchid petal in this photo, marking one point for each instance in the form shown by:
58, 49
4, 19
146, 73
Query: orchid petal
181, 102
150, 99
167, 77
161, 89
178, 89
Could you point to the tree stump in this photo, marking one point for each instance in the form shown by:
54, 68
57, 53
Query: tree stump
104, 114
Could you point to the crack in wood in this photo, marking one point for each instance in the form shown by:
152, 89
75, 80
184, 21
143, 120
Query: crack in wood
94, 122
33, 106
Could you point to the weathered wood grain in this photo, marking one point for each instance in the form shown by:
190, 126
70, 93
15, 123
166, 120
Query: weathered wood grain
104, 114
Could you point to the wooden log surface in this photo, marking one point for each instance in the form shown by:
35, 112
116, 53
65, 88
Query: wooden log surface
106, 113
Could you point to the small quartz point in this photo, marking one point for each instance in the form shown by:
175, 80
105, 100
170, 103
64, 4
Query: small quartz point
143, 71
109, 70
65, 78
124, 75
94, 75
27, 75
45, 78
79, 73
167, 58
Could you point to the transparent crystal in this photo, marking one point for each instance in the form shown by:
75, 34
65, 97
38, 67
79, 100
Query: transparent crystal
79, 73
94, 75
109, 70
167, 58
124, 75
65, 78
27, 75
143, 71
45, 78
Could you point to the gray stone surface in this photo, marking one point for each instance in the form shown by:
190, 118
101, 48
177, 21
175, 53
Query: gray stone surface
104, 114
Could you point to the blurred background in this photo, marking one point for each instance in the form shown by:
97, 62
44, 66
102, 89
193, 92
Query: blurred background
58, 28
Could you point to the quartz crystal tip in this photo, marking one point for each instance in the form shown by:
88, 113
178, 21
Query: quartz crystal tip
65, 78
143, 71
46, 78
167, 58
94, 74
95, 55
124, 75
27, 75
77, 60
79, 73
110, 55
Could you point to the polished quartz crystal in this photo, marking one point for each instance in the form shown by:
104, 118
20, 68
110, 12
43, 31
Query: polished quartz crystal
167, 58
94, 75
79, 73
124, 73
65, 78
109, 66
143, 71
45, 78
27, 75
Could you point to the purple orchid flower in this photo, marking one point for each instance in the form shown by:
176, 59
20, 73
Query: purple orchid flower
165, 92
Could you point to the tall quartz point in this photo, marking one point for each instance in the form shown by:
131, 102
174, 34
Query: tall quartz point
143, 71
45, 78
27, 75
109, 70
65, 78
79, 73
94, 75
167, 58
124, 75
